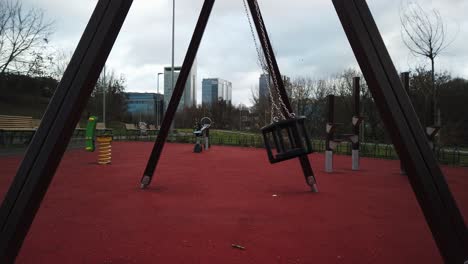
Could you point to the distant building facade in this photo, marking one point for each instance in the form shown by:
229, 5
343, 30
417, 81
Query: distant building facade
265, 82
263, 93
216, 89
147, 107
189, 97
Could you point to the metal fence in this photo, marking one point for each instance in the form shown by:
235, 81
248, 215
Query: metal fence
454, 156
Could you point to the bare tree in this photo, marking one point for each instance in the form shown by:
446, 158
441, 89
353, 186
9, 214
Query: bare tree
59, 63
302, 89
22, 33
424, 34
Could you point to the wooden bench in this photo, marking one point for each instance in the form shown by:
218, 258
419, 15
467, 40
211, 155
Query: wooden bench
16, 129
15, 123
153, 130
131, 130
101, 129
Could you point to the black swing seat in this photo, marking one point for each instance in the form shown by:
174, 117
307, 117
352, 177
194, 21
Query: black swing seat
292, 153
286, 139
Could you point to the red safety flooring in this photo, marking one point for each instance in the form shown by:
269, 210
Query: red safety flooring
201, 204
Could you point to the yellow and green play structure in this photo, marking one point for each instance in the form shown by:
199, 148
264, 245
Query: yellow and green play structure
91, 133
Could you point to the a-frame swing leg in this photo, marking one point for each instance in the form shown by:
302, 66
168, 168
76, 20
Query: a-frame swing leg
177, 93
425, 176
274, 70
58, 123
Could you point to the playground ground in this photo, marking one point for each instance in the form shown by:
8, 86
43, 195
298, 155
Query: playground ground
201, 204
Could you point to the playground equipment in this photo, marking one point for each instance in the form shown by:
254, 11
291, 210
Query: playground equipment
280, 95
105, 149
143, 128
430, 131
47, 147
331, 142
91, 133
202, 134
286, 134
290, 139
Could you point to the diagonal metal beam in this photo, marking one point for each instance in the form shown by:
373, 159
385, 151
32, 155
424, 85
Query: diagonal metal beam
177, 93
432, 192
51, 139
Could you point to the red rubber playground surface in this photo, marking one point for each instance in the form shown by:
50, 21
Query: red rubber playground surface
201, 204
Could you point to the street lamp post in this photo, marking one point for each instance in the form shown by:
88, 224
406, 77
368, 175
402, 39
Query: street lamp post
104, 97
173, 41
158, 104
104, 106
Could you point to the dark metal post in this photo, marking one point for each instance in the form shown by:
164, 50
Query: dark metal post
274, 70
58, 123
177, 93
357, 109
432, 192
356, 123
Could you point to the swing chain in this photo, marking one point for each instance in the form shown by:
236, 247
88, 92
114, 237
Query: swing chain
270, 62
266, 64
264, 67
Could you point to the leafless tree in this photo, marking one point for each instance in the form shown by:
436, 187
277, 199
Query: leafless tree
59, 64
22, 33
424, 34
302, 89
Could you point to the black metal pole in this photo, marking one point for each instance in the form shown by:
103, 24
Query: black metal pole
58, 123
330, 121
177, 93
274, 71
357, 110
425, 176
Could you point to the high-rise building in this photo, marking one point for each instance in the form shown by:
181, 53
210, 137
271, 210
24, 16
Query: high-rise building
264, 93
189, 97
147, 107
216, 89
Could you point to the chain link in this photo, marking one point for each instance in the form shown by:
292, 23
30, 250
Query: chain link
266, 64
264, 67
270, 61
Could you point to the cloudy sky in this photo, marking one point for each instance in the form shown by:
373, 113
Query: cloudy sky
306, 35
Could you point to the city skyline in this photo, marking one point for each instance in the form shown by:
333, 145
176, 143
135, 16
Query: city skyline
143, 47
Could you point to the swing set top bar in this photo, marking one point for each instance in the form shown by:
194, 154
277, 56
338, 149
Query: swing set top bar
49, 143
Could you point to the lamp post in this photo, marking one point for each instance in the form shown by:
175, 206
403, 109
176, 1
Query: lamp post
173, 41
104, 97
158, 102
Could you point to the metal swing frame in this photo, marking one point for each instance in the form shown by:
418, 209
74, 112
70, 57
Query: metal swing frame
331, 142
180, 84
49, 142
